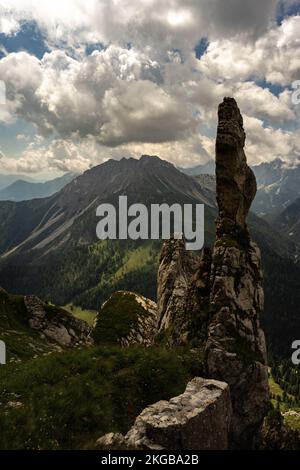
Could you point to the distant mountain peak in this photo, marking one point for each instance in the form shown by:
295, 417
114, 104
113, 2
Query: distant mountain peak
22, 190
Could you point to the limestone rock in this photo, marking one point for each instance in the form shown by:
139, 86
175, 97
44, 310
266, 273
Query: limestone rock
111, 441
236, 183
126, 318
175, 270
236, 349
217, 297
199, 419
56, 324
183, 294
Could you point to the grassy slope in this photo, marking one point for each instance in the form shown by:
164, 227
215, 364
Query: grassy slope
85, 315
67, 401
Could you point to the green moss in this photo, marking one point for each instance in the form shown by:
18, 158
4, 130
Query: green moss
293, 421
117, 318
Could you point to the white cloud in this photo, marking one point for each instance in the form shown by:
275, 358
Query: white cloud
266, 144
275, 56
153, 23
260, 102
140, 111
108, 94
60, 155
145, 91
8, 24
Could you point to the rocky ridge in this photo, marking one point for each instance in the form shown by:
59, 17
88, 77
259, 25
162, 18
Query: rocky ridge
56, 324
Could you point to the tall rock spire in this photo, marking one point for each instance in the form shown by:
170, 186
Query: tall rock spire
214, 301
236, 183
236, 349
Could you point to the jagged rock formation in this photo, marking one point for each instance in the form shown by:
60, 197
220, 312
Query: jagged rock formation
126, 318
183, 294
199, 419
56, 324
221, 294
236, 183
236, 349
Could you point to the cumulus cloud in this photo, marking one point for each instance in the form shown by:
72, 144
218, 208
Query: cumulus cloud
8, 24
63, 95
260, 102
274, 57
145, 22
266, 143
140, 111
144, 90
62, 155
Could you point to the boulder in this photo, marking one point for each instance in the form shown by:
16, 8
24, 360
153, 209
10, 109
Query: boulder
126, 318
56, 324
199, 419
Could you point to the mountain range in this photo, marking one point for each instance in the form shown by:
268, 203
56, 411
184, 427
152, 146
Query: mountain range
205, 169
288, 222
6, 180
49, 246
24, 190
278, 185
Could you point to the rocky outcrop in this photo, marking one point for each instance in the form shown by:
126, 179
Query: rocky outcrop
236, 183
183, 294
199, 419
236, 349
217, 298
126, 318
56, 324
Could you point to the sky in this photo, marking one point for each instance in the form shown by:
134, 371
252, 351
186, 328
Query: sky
91, 80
